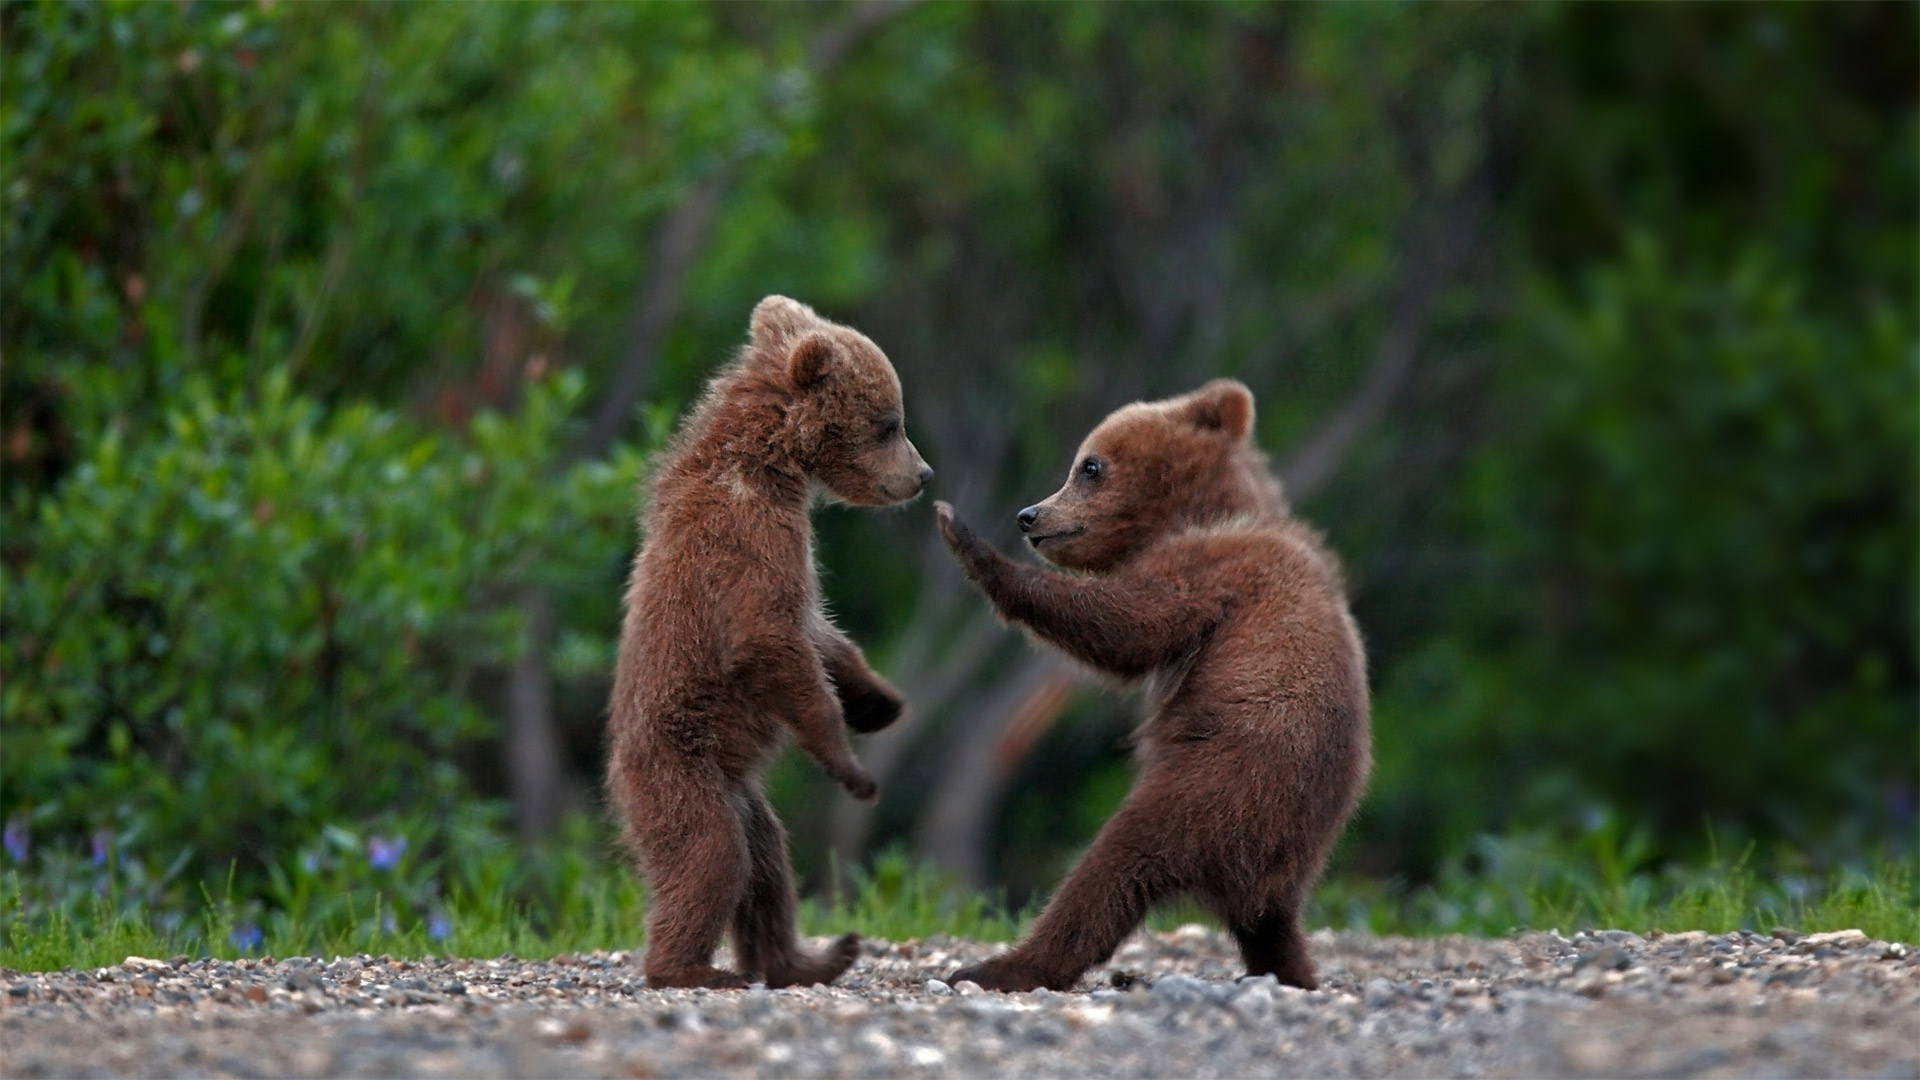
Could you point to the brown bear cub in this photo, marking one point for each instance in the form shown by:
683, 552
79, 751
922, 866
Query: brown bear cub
1192, 575
726, 646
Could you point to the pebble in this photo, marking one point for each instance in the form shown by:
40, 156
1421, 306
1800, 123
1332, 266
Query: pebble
1381, 993
1180, 990
1601, 1002
1606, 958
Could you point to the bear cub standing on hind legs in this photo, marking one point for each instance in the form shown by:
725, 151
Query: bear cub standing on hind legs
1194, 576
726, 646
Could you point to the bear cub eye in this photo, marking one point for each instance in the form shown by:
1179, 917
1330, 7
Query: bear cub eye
887, 427
1091, 467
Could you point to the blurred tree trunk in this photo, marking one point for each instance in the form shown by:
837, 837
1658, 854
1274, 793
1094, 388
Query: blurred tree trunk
536, 769
956, 829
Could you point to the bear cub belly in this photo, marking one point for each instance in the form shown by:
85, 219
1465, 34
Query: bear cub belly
726, 649
1191, 572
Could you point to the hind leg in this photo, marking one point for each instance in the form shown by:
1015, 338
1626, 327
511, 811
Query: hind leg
696, 855
1269, 935
763, 931
1135, 862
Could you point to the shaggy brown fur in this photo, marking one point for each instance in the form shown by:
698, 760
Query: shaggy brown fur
1192, 575
726, 645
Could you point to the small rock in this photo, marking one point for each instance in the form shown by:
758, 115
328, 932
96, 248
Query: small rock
19, 990
1838, 939
1895, 950
455, 987
968, 988
1180, 990
1701, 1060
1380, 993
1256, 997
559, 1031
1606, 958
1787, 935
256, 994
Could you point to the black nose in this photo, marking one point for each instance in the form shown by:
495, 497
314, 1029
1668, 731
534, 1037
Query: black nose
1027, 517
926, 475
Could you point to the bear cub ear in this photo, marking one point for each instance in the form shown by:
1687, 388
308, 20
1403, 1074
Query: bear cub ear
810, 359
1224, 405
778, 322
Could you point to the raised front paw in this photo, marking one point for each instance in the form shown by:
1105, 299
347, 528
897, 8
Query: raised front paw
958, 534
868, 710
974, 553
857, 782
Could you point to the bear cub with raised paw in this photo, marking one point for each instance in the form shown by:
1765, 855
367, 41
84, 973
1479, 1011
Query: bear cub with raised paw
1191, 573
726, 647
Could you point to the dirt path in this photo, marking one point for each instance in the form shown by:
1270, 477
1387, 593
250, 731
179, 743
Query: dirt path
1607, 1004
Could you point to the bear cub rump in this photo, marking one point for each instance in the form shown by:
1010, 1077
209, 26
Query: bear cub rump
726, 648
1192, 575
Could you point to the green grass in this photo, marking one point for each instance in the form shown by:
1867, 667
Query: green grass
600, 905
596, 904
1524, 883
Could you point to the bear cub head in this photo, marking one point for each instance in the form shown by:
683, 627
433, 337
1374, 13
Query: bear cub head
846, 423
1152, 468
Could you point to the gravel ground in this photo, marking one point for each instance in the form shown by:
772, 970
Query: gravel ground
1602, 1004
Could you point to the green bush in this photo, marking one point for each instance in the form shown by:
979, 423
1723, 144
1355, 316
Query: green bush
266, 623
1688, 541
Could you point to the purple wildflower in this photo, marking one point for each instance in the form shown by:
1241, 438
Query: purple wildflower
310, 862
18, 840
386, 922
438, 927
247, 938
384, 854
102, 846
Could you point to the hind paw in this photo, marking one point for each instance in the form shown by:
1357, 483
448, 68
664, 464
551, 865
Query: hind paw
700, 978
1009, 976
803, 969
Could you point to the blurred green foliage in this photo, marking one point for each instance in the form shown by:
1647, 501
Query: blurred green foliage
306, 308
1699, 510
214, 621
